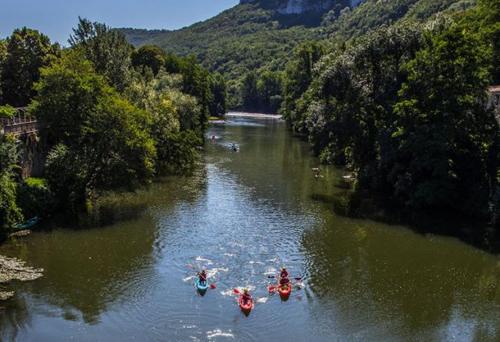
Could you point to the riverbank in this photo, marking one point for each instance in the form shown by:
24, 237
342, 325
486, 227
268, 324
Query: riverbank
253, 115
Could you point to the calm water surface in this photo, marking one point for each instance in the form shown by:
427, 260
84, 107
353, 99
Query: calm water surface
242, 216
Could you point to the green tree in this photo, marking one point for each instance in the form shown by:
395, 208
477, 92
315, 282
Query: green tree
150, 56
175, 118
298, 77
27, 51
249, 92
269, 87
484, 20
106, 48
10, 213
444, 132
218, 106
102, 141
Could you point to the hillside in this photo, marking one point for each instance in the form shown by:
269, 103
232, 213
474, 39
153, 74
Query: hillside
259, 35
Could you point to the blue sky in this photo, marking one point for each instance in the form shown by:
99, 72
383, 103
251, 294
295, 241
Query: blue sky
56, 17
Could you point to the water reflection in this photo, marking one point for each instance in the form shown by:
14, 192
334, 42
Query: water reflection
413, 286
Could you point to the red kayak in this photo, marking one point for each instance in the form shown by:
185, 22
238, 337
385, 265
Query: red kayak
245, 307
285, 291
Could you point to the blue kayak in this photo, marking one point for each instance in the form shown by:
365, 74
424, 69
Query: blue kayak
201, 286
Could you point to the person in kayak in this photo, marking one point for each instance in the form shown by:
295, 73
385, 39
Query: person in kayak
203, 277
284, 282
247, 298
283, 273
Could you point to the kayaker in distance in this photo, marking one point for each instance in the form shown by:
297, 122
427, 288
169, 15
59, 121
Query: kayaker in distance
203, 276
246, 297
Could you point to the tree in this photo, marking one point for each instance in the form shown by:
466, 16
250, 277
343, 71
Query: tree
27, 51
444, 132
175, 118
102, 141
107, 49
150, 56
249, 92
484, 20
269, 87
219, 93
298, 77
10, 213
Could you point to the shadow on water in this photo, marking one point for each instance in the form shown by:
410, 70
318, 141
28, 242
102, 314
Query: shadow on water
109, 262
380, 283
362, 205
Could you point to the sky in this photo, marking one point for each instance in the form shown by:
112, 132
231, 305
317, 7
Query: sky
56, 18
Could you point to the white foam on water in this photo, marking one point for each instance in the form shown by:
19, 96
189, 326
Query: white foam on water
207, 261
229, 254
188, 278
256, 262
219, 333
228, 292
191, 326
211, 273
262, 300
248, 287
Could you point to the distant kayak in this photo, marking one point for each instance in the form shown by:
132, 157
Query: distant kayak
245, 307
202, 287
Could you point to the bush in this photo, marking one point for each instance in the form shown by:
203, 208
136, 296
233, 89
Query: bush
35, 198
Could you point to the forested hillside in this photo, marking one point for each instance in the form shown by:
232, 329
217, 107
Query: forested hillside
405, 109
257, 38
395, 91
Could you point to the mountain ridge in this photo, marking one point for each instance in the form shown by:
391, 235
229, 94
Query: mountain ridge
256, 36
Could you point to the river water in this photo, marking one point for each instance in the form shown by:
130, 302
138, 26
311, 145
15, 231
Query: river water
241, 216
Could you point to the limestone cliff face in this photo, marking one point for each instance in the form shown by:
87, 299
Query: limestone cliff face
302, 6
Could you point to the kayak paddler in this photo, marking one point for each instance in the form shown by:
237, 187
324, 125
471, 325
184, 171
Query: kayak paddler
246, 297
202, 277
283, 273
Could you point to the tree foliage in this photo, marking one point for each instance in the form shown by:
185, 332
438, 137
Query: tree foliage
406, 111
10, 213
101, 140
107, 49
255, 37
444, 133
26, 52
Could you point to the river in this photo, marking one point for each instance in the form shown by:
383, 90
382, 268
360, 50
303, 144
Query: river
242, 215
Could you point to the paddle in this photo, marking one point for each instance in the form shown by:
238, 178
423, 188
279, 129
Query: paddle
236, 291
274, 277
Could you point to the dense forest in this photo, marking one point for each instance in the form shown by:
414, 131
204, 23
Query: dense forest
112, 117
394, 91
405, 109
251, 43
